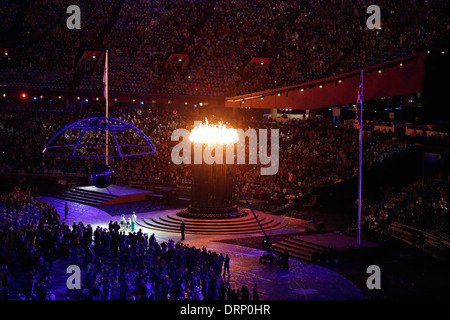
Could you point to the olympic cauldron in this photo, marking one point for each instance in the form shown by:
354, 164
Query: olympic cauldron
212, 187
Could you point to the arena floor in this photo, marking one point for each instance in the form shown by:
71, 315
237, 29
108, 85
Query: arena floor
303, 281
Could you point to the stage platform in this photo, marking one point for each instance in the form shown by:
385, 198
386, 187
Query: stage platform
122, 194
303, 280
91, 195
115, 190
245, 224
334, 239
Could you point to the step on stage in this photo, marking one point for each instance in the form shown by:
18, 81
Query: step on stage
93, 196
244, 224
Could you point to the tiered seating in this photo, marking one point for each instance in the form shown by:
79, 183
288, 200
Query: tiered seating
8, 11
312, 152
305, 41
422, 205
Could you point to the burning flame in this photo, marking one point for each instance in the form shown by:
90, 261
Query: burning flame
210, 134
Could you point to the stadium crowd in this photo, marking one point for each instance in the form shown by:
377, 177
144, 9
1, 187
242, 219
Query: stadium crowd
422, 205
313, 152
220, 39
119, 265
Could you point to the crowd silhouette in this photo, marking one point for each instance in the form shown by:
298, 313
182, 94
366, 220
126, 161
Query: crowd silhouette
118, 264
303, 41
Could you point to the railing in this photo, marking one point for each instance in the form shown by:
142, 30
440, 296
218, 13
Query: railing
434, 245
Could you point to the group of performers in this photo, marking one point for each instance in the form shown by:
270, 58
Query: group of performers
128, 224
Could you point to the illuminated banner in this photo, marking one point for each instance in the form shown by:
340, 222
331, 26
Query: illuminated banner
260, 61
92, 54
395, 78
176, 57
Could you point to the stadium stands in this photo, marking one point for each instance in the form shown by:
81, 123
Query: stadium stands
313, 152
220, 38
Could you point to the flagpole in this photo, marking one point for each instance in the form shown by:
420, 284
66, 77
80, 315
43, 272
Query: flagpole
360, 119
106, 98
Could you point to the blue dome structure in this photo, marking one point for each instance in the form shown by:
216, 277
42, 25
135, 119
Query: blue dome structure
99, 137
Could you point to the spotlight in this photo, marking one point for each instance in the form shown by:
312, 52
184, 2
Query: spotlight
115, 99
340, 81
301, 90
41, 97
34, 98
379, 71
24, 95
59, 97
142, 102
86, 100
320, 86
401, 64
134, 100
96, 98
279, 94
78, 98
4, 95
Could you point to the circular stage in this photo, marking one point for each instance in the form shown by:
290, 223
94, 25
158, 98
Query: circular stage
243, 224
212, 213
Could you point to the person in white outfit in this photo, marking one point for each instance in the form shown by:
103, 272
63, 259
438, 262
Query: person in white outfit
133, 221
